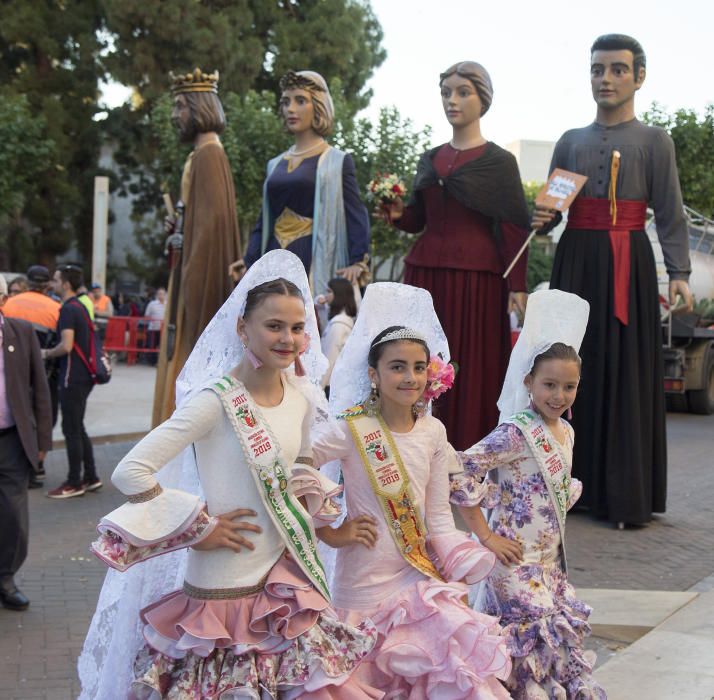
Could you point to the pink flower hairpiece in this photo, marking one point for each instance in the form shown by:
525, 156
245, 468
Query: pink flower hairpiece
440, 377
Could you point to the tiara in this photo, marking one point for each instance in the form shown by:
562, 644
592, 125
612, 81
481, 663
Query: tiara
198, 81
401, 334
293, 81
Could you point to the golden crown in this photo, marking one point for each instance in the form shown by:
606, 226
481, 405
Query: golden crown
198, 81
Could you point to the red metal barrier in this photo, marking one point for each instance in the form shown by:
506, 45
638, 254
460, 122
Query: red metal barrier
131, 334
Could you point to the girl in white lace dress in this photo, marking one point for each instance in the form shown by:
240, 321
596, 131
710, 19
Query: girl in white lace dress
252, 617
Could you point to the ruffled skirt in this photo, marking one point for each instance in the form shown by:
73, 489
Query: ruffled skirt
284, 642
431, 645
545, 638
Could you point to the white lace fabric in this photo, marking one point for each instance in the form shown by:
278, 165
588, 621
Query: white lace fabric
105, 665
552, 316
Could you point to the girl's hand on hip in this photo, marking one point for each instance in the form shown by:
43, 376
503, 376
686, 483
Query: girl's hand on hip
507, 551
226, 533
359, 530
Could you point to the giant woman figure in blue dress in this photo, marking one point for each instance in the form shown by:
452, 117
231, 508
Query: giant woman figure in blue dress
311, 203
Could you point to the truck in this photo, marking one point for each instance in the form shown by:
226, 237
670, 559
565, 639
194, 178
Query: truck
688, 338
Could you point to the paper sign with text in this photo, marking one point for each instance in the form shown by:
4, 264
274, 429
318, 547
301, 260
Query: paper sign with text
561, 189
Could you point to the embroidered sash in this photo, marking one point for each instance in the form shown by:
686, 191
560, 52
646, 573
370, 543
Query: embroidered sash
551, 463
262, 452
391, 486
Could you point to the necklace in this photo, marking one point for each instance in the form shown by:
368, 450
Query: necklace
293, 152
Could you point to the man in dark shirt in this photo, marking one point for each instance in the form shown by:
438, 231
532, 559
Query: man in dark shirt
76, 333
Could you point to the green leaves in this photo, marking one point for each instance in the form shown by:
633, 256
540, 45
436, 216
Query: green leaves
693, 138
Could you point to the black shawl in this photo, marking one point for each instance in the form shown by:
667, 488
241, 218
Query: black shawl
490, 184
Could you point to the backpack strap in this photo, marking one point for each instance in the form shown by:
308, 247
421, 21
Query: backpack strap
90, 364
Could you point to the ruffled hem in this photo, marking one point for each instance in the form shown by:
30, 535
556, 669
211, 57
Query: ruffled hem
431, 645
549, 660
284, 638
460, 558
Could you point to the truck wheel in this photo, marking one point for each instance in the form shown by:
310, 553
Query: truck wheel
677, 403
702, 400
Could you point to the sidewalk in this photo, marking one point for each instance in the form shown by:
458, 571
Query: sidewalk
39, 648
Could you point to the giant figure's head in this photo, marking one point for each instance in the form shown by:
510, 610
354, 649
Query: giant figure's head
617, 69
306, 103
197, 108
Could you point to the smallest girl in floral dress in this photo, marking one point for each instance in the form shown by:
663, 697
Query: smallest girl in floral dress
521, 471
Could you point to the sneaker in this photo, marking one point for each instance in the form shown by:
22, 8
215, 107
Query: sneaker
40, 473
66, 491
34, 483
92, 484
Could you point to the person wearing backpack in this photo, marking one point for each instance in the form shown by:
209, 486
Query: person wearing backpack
77, 352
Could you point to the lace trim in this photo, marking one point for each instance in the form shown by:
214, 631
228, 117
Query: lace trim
144, 496
223, 593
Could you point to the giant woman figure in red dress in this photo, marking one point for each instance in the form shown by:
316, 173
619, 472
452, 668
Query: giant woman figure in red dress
469, 206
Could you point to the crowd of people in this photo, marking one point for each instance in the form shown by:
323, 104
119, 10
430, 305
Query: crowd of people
309, 550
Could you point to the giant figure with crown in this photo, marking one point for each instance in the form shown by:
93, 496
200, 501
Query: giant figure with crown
204, 237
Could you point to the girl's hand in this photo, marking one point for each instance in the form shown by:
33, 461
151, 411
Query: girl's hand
359, 530
507, 551
225, 534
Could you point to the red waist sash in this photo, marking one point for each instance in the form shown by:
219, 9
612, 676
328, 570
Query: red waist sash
628, 215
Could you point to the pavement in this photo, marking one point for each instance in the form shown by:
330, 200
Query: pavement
652, 588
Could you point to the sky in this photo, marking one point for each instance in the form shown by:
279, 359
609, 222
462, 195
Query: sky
537, 53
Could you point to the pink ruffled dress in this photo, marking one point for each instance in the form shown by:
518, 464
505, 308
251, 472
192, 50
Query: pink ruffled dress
430, 643
244, 625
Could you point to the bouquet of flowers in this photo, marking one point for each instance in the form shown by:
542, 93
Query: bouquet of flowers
385, 188
440, 377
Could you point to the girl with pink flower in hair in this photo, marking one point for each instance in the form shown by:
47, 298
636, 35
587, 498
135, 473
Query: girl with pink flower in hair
400, 561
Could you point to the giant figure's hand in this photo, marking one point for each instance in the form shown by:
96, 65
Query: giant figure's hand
542, 216
680, 288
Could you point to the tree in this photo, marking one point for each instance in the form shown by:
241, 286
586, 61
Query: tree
252, 43
694, 144
48, 53
391, 145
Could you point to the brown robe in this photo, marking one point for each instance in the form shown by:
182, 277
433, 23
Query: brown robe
211, 243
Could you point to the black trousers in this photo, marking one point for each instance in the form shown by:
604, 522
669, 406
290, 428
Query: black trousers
73, 402
15, 471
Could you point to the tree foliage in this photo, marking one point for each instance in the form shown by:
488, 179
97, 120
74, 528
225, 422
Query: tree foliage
693, 138
49, 54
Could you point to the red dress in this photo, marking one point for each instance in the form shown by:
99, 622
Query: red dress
459, 261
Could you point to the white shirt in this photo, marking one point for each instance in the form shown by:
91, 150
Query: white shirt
155, 310
333, 340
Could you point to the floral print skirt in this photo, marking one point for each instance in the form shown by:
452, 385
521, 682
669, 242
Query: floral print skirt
281, 642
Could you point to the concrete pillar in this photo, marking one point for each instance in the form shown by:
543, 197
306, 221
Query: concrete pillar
100, 231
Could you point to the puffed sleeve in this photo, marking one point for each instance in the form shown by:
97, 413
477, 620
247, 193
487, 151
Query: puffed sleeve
458, 557
356, 216
500, 447
318, 492
157, 520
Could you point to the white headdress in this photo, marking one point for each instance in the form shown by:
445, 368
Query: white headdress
114, 635
552, 317
385, 304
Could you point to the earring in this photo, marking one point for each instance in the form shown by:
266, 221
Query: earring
372, 406
252, 357
419, 408
299, 369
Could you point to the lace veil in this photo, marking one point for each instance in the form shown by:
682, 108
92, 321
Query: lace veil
114, 635
552, 317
